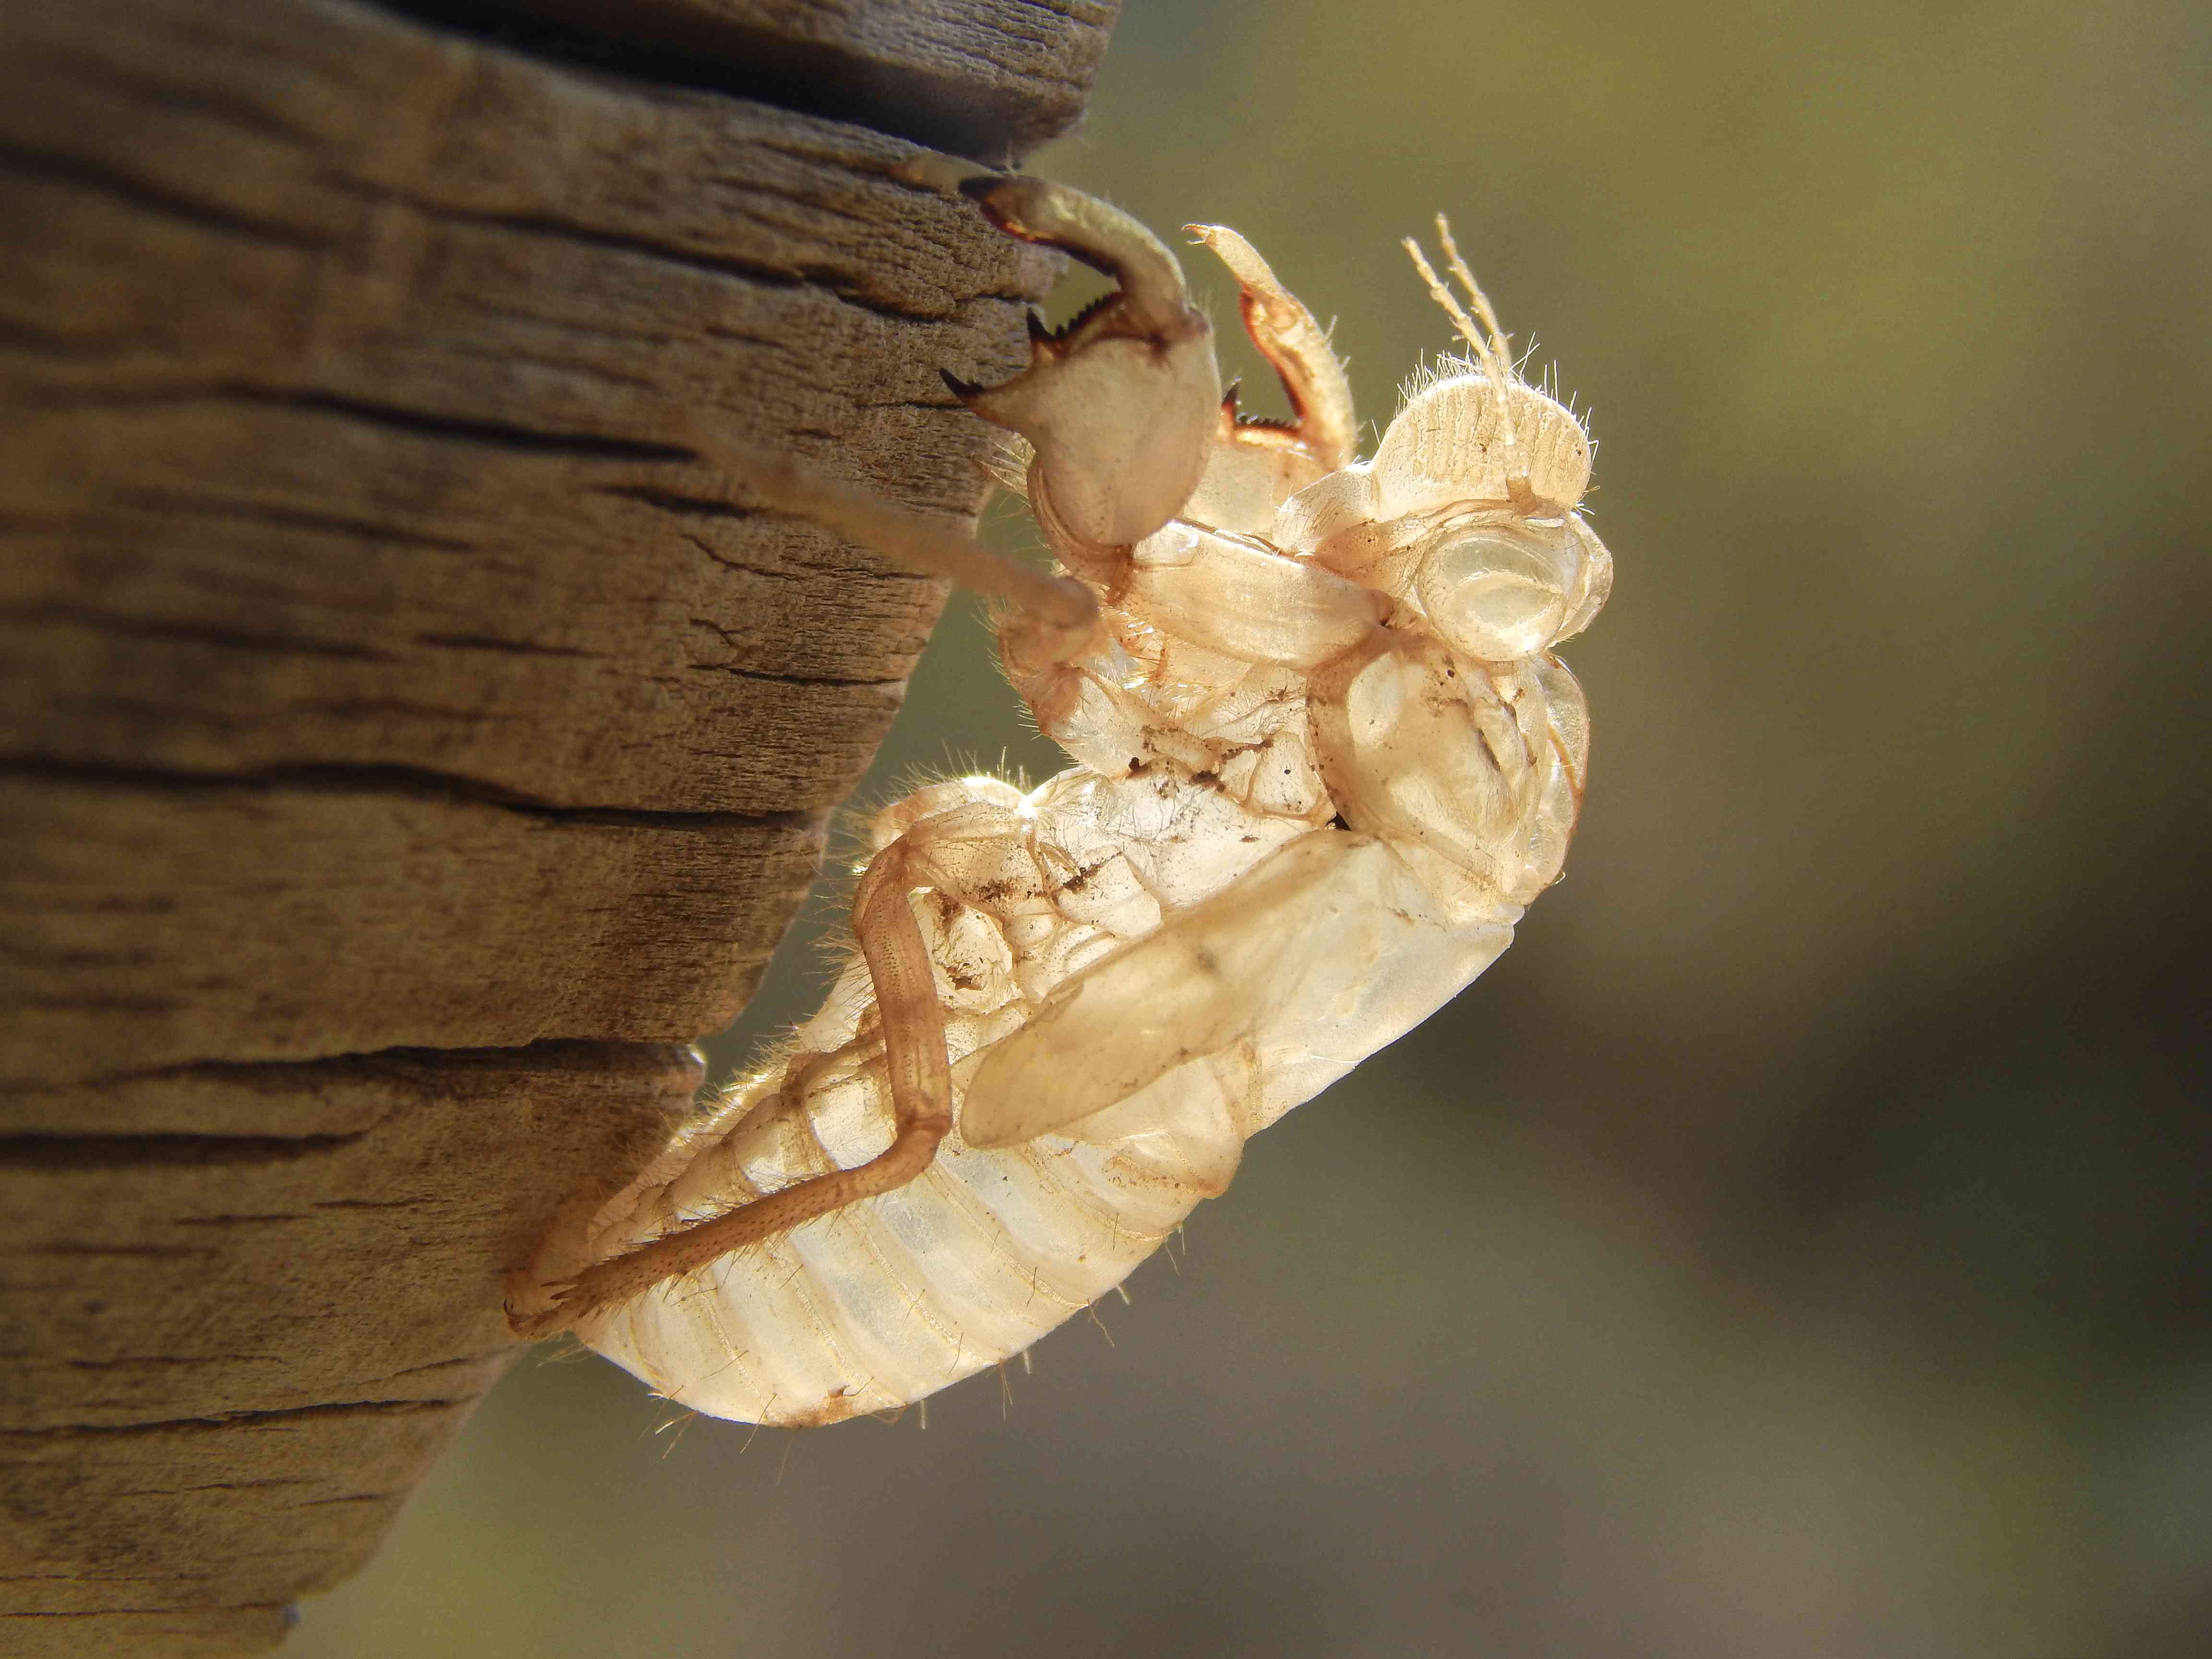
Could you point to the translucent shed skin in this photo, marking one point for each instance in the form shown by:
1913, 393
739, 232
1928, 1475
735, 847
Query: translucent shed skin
1324, 757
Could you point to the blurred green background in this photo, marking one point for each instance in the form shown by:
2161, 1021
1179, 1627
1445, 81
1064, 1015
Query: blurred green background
1796, 1248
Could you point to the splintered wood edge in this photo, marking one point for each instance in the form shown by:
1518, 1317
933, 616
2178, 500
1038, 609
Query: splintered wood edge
325, 1025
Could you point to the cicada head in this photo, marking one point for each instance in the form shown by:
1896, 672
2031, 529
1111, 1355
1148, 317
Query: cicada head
1467, 515
1465, 437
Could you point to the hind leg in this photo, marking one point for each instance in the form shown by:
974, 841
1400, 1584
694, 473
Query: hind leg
963, 840
921, 1088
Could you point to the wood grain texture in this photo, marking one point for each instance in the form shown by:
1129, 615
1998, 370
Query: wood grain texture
153, 924
233, 1351
407, 744
992, 79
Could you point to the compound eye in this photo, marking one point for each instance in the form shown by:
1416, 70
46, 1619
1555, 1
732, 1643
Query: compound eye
1494, 594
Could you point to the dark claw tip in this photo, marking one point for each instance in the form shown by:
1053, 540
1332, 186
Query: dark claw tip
987, 193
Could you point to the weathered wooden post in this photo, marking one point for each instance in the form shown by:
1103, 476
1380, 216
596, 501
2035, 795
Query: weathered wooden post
408, 749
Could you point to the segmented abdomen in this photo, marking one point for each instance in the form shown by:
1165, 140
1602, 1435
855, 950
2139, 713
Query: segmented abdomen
890, 1299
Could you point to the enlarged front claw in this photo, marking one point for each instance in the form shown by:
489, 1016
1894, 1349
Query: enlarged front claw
1121, 405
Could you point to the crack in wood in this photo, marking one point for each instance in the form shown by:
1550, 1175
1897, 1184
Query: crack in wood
187, 631
279, 1417
564, 1053
732, 638
838, 284
516, 647
79, 173
505, 434
85, 1150
228, 1612
287, 517
985, 115
409, 783
714, 507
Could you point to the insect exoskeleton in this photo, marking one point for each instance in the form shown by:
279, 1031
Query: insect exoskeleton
1323, 759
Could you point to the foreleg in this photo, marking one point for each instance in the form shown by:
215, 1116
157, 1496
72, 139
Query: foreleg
1119, 410
1321, 419
1119, 406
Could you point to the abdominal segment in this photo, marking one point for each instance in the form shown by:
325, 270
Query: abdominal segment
891, 1298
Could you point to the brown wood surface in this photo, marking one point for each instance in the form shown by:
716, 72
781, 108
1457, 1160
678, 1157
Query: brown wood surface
988, 78
405, 747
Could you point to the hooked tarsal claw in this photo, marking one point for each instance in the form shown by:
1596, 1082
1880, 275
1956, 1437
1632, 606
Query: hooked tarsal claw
1121, 405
